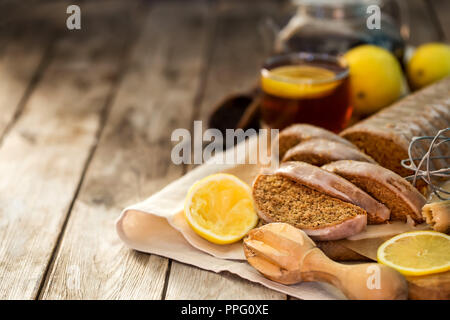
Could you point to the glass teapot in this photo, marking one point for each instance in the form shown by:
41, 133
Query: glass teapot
335, 26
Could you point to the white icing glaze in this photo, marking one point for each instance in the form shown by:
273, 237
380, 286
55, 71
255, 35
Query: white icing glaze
327, 148
343, 230
306, 131
298, 133
390, 180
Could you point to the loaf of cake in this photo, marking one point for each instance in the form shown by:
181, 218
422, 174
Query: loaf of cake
386, 135
384, 185
319, 151
324, 205
293, 135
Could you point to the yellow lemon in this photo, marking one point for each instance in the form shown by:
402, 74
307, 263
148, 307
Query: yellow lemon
429, 63
298, 81
219, 208
416, 253
376, 78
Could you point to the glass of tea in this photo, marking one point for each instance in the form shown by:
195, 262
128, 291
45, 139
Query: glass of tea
305, 88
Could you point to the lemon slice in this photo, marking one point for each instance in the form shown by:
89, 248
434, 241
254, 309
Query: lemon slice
219, 208
298, 81
416, 253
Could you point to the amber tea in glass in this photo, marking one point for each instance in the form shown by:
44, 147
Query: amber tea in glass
305, 88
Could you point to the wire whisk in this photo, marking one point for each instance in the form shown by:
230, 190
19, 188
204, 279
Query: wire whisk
427, 174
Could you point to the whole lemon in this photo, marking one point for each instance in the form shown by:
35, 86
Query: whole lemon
430, 63
376, 78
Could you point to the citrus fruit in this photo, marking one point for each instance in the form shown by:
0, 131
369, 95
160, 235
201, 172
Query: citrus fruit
298, 81
429, 63
376, 78
416, 253
219, 208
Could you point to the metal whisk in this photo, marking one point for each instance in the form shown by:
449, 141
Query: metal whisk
426, 174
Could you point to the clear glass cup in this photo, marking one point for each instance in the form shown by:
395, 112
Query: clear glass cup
305, 88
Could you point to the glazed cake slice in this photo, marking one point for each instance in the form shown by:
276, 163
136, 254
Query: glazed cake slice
293, 135
334, 186
322, 217
320, 151
324, 205
384, 185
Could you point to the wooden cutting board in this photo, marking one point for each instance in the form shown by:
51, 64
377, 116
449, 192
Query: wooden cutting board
231, 112
430, 287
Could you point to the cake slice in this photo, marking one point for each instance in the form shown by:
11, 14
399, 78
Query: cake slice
320, 151
324, 205
293, 135
322, 217
384, 185
334, 186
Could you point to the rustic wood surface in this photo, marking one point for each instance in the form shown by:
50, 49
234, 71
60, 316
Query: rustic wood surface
85, 127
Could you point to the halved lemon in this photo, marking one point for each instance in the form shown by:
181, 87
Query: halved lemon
416, 253
219, 208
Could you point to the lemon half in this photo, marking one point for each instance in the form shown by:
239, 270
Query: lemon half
416, 253
219, 208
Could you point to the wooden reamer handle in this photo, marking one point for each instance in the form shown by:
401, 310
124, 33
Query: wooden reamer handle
287, 255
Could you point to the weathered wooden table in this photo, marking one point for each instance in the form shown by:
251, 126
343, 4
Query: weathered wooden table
85, 123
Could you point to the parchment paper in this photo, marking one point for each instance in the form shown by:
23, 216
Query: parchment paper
157, 226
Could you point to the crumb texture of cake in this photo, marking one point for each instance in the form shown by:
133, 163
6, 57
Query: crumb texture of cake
384, 185
386, 135
279, 199
293, 135
320, 151
334, 186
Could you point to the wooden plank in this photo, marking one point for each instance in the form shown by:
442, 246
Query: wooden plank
239, 51
241, 46
421, 22
236, 57
441, 10
22, 52
45, 153
132, 160
186, 282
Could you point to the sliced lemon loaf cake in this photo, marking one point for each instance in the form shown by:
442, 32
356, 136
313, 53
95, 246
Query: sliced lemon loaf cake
324, 205
386, 135
335, 186
384, 185
320, 151
293, 135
